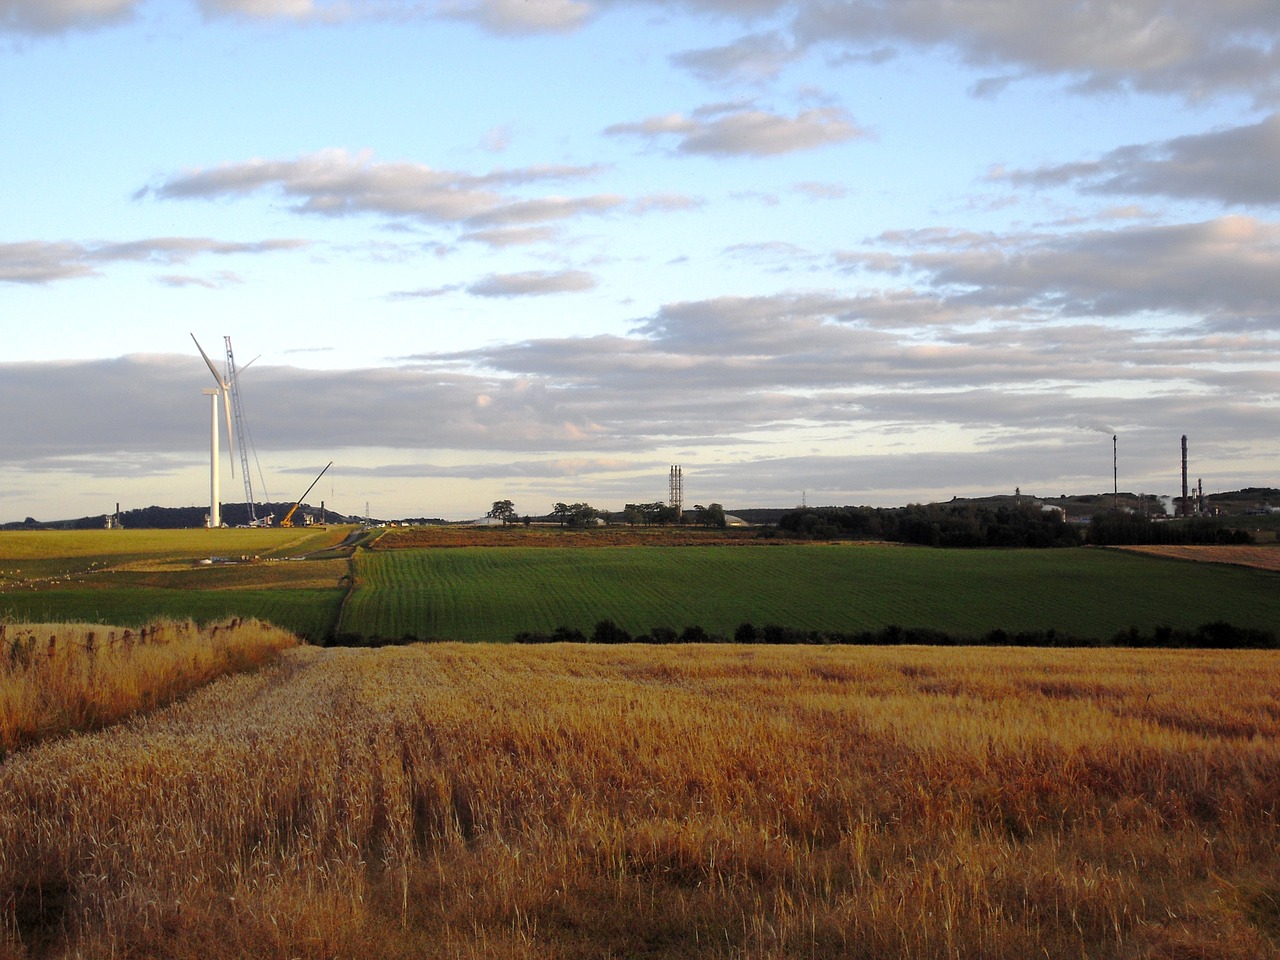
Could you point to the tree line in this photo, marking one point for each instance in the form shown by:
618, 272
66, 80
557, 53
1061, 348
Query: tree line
976, 525
633, 514
936, 525
1218, 635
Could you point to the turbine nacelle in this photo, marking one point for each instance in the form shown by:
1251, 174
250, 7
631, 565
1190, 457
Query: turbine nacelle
224, 388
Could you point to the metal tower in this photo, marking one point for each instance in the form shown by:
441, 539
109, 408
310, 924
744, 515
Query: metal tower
237, 414
677, 490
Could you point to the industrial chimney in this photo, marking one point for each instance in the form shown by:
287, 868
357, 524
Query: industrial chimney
1186, 503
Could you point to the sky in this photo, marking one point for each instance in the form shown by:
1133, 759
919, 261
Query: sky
824, 251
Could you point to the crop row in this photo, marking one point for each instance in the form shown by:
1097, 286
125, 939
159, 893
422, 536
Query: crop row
489, 594
475, 801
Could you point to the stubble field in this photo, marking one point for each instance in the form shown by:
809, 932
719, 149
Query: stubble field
470, 800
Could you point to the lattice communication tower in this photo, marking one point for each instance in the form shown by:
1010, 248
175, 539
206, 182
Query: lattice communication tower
677, 489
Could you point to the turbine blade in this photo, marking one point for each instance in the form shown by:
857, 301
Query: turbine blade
212, 369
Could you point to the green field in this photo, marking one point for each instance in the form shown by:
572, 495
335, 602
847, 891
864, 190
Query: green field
309, 612
491, 594
26, 555
131, 577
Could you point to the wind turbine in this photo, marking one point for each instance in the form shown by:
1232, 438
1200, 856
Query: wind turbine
224, 388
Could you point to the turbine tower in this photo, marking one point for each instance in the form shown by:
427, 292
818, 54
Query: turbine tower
224, 388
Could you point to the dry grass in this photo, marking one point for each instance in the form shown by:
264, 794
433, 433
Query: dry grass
55, 679
566, 802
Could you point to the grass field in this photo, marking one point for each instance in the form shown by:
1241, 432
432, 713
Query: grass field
310, 613
665, 578
565, 802
133, 577
491, 594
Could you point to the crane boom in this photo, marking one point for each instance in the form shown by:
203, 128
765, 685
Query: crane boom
288, 517
237, 413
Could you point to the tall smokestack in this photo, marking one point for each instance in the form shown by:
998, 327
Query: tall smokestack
1186, 504
1115, 474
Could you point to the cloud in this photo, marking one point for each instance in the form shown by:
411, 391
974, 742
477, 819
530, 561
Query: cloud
427, 293
983, 396
821, 191
335, 183
1224, 272
532, 284
222, 279
720, 130
37, 262
510, 236
515, 17
753, 58
1234, 167
666, 203
56, 16
1187, 48
1182, 47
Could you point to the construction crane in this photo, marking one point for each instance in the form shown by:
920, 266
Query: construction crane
288, 517
242, 433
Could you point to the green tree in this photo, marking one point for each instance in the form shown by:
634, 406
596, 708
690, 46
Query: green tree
712, 516
503, 510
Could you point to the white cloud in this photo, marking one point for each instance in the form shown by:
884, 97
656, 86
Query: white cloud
513, 17
37, 262
532, 283
335, 183
728, 131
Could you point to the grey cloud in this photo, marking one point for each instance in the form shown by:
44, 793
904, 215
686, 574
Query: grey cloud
335, 183
56, 16
516, 17
300, 10
740, 372
36, 262
547, 208
532, 283
756, 57
1236, 166
721, 131
1184, 47
1224, 271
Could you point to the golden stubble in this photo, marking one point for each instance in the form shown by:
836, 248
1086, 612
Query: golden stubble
575, 801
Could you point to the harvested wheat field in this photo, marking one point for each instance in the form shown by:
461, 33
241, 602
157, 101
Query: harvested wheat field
1241, 555
711, 801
